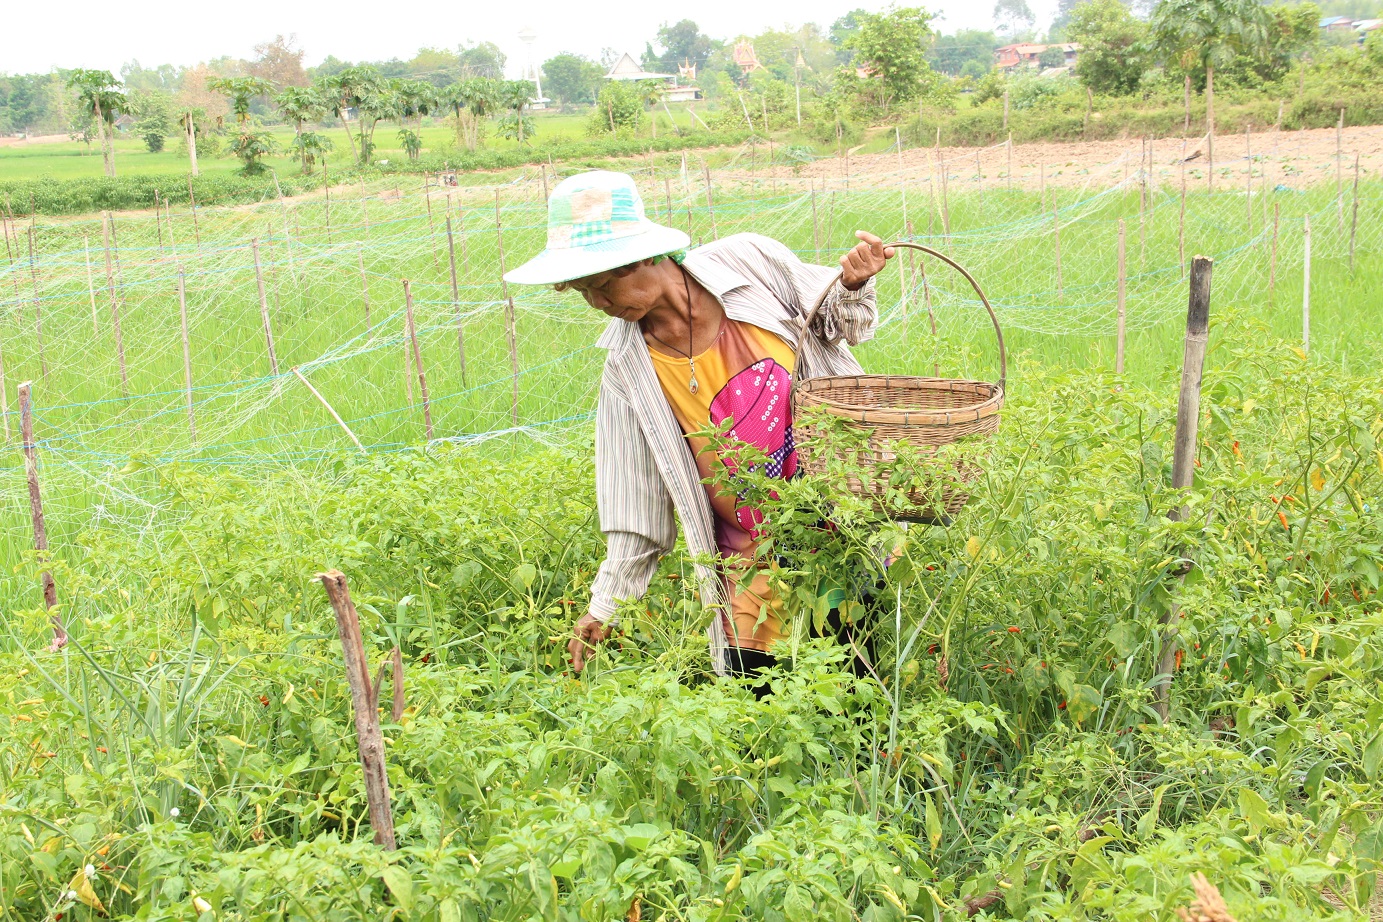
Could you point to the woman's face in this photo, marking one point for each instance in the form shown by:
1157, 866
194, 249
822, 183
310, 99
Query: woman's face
628, 292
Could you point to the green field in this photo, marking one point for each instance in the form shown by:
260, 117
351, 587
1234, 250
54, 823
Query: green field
193, 743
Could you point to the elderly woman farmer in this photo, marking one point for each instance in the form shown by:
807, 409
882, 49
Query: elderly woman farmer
697, 338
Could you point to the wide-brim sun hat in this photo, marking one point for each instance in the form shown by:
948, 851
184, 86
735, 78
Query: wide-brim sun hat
595, 223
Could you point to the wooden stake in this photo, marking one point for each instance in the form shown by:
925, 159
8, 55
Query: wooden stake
50, 588
168, 218
509, 321
38, 306
542, 168
326, 187
196, 228
264, 311
1119, 342
456, 302
330, 409
186, 353
157, 222
114, 308
364, 284
363, 697
90, 286
1184, 451
902, 178
1306, 286
417, 358
667, 201
431, 227
1056, 227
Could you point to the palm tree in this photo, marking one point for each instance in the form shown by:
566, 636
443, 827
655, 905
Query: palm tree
1208, 34
99, 94
241, 91
302, 104
471, 99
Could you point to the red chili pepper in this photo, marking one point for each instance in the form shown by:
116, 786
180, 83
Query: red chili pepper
1014, 629
1282, 517
1181, 654
264, 700
1061, 706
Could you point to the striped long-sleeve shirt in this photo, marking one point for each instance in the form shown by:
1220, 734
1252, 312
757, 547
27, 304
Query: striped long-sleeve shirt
646, 477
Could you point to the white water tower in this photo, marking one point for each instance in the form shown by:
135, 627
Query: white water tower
532, 72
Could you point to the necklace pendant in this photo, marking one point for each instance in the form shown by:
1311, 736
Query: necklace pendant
691, 385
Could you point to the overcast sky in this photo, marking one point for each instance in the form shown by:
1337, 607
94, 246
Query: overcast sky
85, 33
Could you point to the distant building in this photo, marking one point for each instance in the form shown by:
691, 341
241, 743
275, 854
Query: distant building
1023, 54
745, 58
626, 68
1337, 24
1365, 26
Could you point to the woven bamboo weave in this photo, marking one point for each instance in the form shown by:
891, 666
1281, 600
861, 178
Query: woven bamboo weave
926, 413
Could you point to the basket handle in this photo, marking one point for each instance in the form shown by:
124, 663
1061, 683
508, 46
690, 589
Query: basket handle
998, 333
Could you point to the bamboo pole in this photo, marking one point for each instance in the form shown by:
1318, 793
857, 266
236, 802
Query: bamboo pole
38, 305
1306, 286
364, 694
329, 408
264, 310
431, 227
50, 588
1119, 343
196, 228
90, 286
114, 309
186, 353
1056, 228
510, 332
9, 254
417, 358
456, 302
1184, 452
158, 223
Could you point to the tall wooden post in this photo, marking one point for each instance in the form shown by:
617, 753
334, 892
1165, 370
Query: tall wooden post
50, 588
417, 358
90, 286
509, 321
114, 309
1184, 450
186, 353
264, 310
1306, 286
38, 305
364, 698
192, 201
456, 302
431, 227
667, 201
1119, 343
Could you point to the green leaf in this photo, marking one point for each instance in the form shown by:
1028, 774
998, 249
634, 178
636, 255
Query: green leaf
397, 879
1083, 702
797, 905
1254, 808
566, 867
1124, 637
448, 911
641, 835
933, 818
523, 576
1373, 756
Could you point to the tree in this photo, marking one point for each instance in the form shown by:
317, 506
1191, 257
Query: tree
98, 93
571, 78
153, 112
515, 94
840, 33
481, 60
953, 54
1205, 34
312, 146
1051, 56
1111, 59
241, 91
165, 78
1013, 18
681, 42
279, 62
1293, 32
361, 88
892, 47
251, 146
619, 109
301, 104
471, 99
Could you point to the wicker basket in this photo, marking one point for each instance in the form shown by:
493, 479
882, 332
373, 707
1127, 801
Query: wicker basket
927, 413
